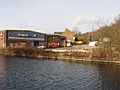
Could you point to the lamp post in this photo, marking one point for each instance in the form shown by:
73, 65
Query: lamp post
90, 38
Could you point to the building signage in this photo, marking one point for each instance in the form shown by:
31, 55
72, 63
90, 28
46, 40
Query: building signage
26, 35
1, 34
23, 35
34, 35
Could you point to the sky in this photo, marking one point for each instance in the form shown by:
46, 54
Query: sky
50, 16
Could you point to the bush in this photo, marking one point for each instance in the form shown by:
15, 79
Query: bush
27, 51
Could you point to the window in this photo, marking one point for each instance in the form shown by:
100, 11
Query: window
55, 38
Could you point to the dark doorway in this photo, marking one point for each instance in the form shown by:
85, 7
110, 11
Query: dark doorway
36, 43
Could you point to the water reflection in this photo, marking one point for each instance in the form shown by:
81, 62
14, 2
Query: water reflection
17, 73
2, 66
2, 71
110, 76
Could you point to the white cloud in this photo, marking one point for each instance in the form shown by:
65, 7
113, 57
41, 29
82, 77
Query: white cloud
80, 20
86, 23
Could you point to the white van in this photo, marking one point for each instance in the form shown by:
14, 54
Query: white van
93, 43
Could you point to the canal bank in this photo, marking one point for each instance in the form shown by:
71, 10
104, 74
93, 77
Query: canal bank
88, 55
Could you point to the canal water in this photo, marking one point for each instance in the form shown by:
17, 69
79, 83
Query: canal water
19, 73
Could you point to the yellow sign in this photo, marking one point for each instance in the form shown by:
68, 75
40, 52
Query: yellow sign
23, 35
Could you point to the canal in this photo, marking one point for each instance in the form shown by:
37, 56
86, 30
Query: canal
19, 73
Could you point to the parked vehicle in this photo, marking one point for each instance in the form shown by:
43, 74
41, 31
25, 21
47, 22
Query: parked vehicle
68, 44
43, 47
93, 43
78, 42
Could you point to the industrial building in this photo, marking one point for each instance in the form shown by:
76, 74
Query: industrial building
68, 34
22, 38
70, 38
55, 41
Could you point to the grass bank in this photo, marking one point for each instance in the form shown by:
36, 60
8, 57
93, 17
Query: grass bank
93, 55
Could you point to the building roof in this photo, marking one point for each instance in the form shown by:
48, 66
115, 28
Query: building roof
58, 32
57, 35
23, 30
